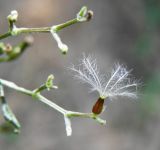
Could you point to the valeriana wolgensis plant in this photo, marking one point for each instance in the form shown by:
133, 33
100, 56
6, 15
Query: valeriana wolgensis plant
117, 83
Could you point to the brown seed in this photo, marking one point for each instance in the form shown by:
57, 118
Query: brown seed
98, 106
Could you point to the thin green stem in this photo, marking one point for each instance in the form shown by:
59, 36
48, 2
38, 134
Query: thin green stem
16, 87
3, 36
41, 29
47, 29
50, 103
66, 24
86, 115
30, 30
79, 114
41, 88
33, 94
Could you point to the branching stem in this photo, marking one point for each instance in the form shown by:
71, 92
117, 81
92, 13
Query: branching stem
3, 36
41, 29
48, 102
82, 16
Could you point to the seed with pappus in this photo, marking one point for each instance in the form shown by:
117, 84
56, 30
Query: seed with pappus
117, 83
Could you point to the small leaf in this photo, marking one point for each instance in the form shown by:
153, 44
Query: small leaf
10, 117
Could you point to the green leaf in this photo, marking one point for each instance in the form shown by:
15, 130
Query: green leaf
10, 117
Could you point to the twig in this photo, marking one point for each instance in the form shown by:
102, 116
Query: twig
67, 114
82, 16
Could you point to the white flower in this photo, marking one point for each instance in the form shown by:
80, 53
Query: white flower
116, 83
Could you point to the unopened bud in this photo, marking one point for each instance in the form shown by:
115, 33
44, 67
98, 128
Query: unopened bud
49, 82
84, 14
13, 16
63, 48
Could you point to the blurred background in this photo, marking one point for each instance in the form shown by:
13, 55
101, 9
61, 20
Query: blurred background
126, 31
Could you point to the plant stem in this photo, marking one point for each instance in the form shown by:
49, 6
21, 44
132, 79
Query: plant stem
41, 88
30, 30
50, 103
47, 29
66, 24
3, 36
15, 87
33, 94
86, 115
41, 29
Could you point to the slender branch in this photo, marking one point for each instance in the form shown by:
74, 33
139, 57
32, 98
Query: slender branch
82, 16
86, 115
30, 30
48, 29
10, 52
13, 30
3, 36
66, 24
15, 87
66, 113
41, 88
50, 103
17, 31
33, 94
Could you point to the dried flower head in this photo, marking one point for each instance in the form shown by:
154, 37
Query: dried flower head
116, 83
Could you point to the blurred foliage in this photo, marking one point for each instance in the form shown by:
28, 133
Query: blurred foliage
144, 48
145, 51
151, 96
152, 19
7, 128
153, 13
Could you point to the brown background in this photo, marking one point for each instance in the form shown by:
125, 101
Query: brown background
126, 31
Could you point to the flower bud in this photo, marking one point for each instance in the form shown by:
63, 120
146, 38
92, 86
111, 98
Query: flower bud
13, 16
49, 82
